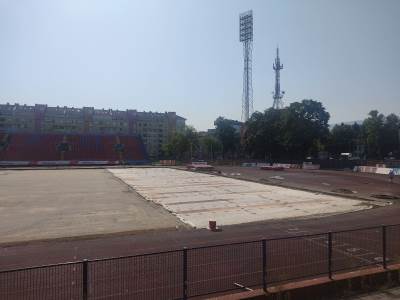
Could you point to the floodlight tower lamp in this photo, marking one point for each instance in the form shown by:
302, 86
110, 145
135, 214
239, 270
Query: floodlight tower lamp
246, 37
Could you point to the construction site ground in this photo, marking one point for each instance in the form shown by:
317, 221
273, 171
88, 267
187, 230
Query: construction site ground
48, 204
196, 198
172, 234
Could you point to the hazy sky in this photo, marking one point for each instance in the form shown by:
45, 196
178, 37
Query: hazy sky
185, 56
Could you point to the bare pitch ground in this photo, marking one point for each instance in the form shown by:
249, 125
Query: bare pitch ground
97, 190
196, 198
48, 204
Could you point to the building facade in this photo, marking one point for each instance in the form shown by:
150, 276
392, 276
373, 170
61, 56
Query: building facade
155, 129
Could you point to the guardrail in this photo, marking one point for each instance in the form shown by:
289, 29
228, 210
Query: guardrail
201, 271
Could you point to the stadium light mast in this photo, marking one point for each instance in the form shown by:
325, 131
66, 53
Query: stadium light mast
278, 95
246, 37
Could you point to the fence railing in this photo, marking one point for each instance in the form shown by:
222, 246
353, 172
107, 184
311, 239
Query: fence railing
201, 271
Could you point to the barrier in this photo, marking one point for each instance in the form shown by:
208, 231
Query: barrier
285, 166
95, 162
60, 163
168, 162
51, 163
203, 271
279, 165
384, 171
15, 163
249, 164
310, 166
376, 170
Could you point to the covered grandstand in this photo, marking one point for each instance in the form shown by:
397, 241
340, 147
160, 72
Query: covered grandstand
70, 149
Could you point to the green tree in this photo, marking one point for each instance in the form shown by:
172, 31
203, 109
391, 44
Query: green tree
307, 128
262, 137
210, 146
227, 132
372, 130
343, 139
293, 132
390, 135
183, 145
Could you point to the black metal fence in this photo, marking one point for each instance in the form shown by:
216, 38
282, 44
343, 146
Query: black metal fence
198, 272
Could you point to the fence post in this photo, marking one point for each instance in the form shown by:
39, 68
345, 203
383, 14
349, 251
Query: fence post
330, 254
264, 266
384, 255
85, 279
184, 273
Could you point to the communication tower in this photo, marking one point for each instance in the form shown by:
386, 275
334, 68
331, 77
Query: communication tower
278, 95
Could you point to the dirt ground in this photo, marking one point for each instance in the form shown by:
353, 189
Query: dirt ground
345, 183
47, 204
55, 251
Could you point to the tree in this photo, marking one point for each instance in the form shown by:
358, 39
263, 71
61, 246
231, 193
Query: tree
227, 132
307, 128
210, 146
372, 130
293, 132
390, 135
182, 145
262, 138
344, 139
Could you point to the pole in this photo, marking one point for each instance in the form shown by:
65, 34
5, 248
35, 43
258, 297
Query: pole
264, 266
384, 254
184, 273
330, 255
85, 279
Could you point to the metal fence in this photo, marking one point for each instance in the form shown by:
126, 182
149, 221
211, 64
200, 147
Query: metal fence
198, 272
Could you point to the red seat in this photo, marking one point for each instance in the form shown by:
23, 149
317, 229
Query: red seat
46, 147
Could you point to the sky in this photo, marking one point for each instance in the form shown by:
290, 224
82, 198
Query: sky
185, 55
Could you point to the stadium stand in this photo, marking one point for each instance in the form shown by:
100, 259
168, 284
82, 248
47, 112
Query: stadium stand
70, 149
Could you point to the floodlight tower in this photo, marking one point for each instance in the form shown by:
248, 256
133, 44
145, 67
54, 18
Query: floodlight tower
246, 37
278, 95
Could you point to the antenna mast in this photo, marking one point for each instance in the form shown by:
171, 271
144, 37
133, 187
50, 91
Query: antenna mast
278, 95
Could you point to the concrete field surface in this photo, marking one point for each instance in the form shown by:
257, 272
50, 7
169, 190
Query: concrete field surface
47, 204
196, 198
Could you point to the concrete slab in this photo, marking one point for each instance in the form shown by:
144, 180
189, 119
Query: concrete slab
47, 204
197, 198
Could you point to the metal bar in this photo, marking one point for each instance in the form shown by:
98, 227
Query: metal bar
384, 254
85, 279
201, 247
242, 287
40, 267
330, 255
264, 266
357, 229
185, 296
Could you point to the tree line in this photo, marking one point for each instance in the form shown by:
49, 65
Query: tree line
296, 132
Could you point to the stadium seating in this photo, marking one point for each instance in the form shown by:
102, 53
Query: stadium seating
132, 146
70, 147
